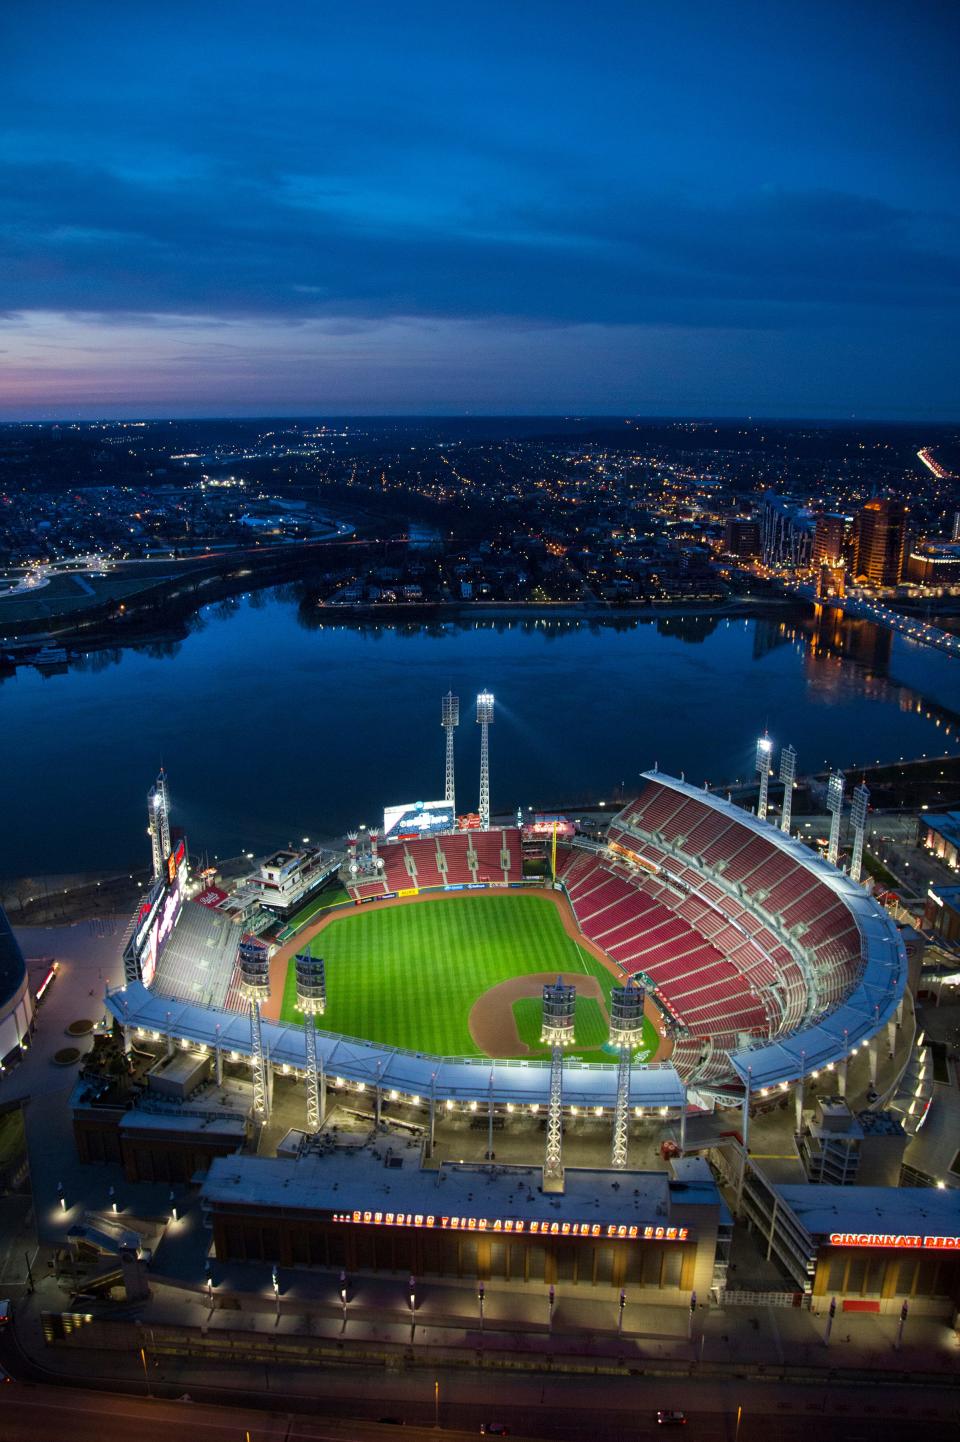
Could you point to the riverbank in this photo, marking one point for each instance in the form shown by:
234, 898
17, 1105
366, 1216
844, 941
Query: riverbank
174, 605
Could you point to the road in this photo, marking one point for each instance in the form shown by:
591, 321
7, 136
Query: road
29, 1412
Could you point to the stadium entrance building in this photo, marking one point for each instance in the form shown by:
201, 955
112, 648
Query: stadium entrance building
370, 1208
871, 1248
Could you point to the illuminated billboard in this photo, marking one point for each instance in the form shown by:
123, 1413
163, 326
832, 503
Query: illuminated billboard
154, 924
417, 818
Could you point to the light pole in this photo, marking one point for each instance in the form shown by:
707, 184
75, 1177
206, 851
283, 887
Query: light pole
343, 1297
480, 1293
832, 1312
552, 1297
903, 1317
623, 1305
693, 1308
276, 1288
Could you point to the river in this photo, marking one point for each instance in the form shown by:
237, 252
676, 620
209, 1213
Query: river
277, 721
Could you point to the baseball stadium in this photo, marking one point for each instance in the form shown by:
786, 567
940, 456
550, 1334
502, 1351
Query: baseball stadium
419, 970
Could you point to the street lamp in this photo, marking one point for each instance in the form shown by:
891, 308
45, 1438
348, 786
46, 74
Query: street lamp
552, 1296
480, 1293
693, 1308
343, 1297
623, 1304
412, 1287
276, 1288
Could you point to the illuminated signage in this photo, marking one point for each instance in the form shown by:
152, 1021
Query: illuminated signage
632, 856
883, 1239
500, 1225
417, 818
47, 980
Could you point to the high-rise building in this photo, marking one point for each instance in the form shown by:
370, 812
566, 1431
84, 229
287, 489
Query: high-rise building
786, 531
880, 534
831, 538
741, 537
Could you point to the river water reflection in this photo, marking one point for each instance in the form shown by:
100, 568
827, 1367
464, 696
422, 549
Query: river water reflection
277, 720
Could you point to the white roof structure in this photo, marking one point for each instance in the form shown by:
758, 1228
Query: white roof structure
463, 1079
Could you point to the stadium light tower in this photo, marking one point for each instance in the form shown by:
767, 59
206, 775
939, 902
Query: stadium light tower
485, 721
626, 1031
835, 807
559, 1004
158, 823
788, 774
764, 750
255, 986
858, 815
312, 1001
450, 720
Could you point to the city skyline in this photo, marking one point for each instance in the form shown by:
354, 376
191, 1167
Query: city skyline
539, 212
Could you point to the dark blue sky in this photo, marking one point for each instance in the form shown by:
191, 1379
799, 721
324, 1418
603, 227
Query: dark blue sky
521, 207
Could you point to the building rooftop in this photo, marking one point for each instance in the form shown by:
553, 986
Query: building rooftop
358, 1182
887, 1211
947, 825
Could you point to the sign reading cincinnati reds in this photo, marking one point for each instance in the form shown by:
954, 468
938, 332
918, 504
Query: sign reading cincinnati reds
887, 1239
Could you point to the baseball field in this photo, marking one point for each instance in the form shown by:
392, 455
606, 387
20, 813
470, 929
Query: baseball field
460, 976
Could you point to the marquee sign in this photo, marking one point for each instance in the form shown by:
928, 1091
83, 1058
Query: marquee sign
499, 1225
884, 1239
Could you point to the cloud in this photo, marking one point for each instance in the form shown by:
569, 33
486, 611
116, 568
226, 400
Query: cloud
85, 239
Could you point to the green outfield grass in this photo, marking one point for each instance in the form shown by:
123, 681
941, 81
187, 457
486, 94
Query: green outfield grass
333, 896
591, 1032
408, 975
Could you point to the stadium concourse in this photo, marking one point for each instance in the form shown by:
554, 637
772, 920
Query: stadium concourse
767, 964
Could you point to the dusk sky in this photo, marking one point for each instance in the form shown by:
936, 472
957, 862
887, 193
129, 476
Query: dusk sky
688, 208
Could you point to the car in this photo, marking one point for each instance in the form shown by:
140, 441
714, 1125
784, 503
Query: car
672, 1419
494, 1429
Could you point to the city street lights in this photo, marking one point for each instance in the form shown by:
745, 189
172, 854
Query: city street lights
623, 1305
276, 1288
343, 1297
480, 1292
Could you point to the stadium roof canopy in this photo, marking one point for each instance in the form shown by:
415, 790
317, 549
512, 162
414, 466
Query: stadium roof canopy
463, 1079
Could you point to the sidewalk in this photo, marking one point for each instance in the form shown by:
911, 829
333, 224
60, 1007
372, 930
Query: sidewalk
445, 1325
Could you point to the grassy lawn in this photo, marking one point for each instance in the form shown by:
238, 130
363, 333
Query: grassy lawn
408, 975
